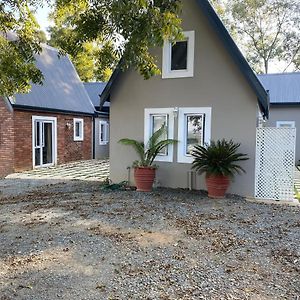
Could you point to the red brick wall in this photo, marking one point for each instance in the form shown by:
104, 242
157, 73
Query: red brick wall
6, 139
67, 149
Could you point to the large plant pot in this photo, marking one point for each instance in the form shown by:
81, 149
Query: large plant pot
144, 178
217, 186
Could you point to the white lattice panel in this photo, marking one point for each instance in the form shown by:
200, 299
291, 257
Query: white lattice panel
275, 163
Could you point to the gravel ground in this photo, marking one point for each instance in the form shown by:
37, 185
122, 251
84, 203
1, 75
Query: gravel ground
75, 241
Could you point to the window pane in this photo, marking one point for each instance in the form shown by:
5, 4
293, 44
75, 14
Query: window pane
157, 122
37, 133
179, 56
47, 149
194, 135
102, 128
37, 154
77, 129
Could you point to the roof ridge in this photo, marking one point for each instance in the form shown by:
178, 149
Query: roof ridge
93, 82
278, 74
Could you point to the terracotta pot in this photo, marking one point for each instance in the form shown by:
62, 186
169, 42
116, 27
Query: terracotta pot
144, 178
217, 186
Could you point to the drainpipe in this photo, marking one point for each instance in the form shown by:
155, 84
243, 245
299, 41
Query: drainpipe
191, 176
94, 137
128, 175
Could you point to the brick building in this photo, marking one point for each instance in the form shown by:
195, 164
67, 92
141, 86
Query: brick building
52, 124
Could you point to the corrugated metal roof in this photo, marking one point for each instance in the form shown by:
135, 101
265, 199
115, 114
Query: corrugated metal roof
283, 88
62, 88
94, 90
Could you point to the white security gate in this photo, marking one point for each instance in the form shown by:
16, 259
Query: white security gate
275, 163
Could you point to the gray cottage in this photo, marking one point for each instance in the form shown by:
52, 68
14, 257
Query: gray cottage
101, 120
205, 76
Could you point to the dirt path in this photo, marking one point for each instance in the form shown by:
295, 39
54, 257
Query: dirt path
75, 241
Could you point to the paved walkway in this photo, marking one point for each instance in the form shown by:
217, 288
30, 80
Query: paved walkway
297, 180
92, 170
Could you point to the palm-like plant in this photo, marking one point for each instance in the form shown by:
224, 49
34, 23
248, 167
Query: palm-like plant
218, 159
147, 153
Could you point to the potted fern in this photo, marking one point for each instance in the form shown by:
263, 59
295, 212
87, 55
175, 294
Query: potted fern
144, 170
219, 161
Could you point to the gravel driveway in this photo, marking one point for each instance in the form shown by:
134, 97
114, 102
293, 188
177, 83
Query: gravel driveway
75, 241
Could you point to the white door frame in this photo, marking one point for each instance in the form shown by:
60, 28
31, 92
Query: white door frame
51, 119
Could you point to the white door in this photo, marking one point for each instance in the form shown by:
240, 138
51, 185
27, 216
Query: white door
44, 141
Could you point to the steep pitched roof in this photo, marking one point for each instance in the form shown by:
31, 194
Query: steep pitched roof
283, 88
94, 90
218, 26
62, 89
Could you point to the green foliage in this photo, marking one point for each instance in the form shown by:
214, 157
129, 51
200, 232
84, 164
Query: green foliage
17, 63
125, 29
93, 60
267, 31
148, 153
218, 158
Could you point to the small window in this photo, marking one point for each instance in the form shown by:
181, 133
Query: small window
194, 128
78, 129
155, 118
285, 124
178, 57
103, 133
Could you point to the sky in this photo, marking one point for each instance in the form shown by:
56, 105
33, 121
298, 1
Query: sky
42, 17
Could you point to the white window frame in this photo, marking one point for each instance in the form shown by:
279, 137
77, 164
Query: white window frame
148, 129
290, 124
81, 129
182, 157
167, 56
44, 118
105, 133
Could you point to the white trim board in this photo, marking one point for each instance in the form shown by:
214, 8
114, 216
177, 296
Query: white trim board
79, 138
105, 133
182, 157
167, 56
285, 124
147, 129
44, 118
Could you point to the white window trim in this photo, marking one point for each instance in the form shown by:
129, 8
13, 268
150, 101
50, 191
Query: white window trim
43, 118
290, 123
105, 134
166, 64
147, 130
81, 137
182, 157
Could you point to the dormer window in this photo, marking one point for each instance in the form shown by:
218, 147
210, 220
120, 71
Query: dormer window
178, 57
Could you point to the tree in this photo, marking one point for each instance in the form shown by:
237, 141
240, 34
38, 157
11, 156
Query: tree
266, 31
132, 27
127, 28
93, 61
19, 42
